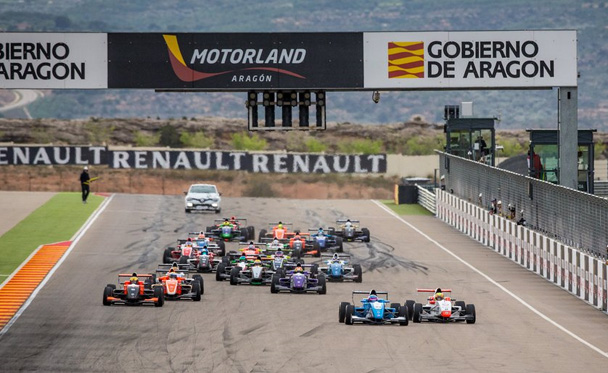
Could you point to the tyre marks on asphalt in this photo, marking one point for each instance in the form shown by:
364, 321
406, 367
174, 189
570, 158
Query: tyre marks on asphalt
381, 255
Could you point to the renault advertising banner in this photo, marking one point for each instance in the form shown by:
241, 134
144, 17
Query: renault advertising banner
53, 60
470, 59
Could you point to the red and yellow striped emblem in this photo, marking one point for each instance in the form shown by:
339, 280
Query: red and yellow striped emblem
405, 59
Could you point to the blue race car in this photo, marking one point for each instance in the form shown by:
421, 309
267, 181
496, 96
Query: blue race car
338, 269
373, 310
326, 239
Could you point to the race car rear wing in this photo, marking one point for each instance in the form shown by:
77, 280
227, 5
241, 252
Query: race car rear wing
367, 292
434, 290
166, 267
340, 256
131, 275
277, 223
342, 221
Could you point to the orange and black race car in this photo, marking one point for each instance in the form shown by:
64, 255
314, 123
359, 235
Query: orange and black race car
134, 290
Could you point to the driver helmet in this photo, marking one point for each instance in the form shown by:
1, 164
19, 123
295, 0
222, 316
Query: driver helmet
243, 258
251, 245
321, 230
280, 226
189, 239
373, 298
279, 254
172, 270
257, 262
134, 278
173, 275
336, 257
204, 251
299, 267
439, 296
275, 242
233, 218
201, 235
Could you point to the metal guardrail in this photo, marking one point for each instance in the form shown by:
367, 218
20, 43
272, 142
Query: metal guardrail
577, 219
426, 199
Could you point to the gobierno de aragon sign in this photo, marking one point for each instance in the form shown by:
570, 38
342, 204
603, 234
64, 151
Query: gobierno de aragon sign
273, 61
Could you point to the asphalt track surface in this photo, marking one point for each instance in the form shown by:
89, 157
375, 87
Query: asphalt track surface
248, 329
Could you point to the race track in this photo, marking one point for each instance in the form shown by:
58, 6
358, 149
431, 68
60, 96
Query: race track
248, 329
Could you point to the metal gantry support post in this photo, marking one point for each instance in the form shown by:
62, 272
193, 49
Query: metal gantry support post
567, 122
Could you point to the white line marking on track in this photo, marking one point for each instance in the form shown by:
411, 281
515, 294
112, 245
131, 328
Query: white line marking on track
523, 302
74, 240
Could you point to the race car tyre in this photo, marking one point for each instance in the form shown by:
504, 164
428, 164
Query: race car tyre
196, 291
274, 283
463, 307
317, 248
331, 231
348, 317
262, 234
159, 293
410, 308
187, 211
222, 246
342, 311
403, 311
471, 315
107, 292
280, 272
358, 272
221, 268
112, 286
314, 270
322, 284
209, 229
417, 311
340, 244
218, 211
201, 282
183, 260
234, 274
167, 257
251, 231
396, 307
225, 260
366, 234
296, 253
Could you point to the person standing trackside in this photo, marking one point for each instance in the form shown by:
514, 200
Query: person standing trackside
84, 183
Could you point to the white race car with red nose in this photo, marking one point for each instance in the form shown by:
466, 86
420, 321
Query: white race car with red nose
442, 308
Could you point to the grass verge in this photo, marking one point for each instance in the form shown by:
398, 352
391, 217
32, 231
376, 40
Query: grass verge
406, 209
55, 221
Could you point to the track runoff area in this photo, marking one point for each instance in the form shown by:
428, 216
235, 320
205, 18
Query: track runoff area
523, 322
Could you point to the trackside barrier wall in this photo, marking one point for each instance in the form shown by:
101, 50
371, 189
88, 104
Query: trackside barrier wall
579, 273
577, 219
426, 199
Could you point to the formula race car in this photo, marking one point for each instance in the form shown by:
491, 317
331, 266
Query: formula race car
442, 308
253, 273
234, 229
338, 269
279, 230
177, 285
349, 230
132, 291
373, 310
327, 241
298, 280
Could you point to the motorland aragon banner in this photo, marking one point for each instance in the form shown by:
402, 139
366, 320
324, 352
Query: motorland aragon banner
471, 59
192, 160
235, 61
53, 60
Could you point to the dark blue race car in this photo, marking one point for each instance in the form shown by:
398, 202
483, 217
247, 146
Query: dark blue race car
373, 310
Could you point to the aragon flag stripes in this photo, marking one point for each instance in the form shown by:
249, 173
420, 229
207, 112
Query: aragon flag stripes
406, 59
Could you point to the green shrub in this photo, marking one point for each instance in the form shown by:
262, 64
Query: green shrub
143, 139
362, 146
511, 147
259, 188
314, 146
196, 140
98, 133
423, 145
169, 137
242, 141
598, 150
